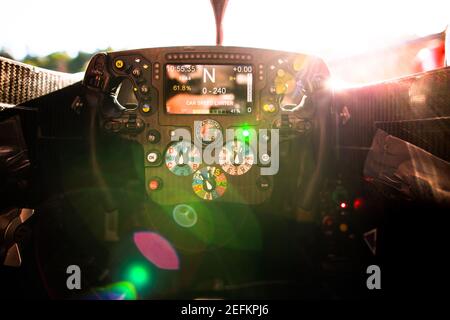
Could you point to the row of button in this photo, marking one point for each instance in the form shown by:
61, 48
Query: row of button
262, 183
122, 65
154, 158
129, 125
156, 71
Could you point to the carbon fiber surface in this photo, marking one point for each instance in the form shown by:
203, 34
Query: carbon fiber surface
20, 82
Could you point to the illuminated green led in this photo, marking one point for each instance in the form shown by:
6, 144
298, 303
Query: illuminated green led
245, 131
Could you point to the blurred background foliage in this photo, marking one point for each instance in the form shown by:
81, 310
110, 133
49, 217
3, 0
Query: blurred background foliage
58, 61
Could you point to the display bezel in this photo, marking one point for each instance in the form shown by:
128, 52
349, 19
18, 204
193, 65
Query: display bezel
165, 89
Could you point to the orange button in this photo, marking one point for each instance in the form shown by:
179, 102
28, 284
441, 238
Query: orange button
154, 184
343, 227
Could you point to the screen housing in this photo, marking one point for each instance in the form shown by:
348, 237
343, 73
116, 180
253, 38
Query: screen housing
225, 69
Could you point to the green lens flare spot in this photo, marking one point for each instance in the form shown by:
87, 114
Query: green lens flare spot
138, 275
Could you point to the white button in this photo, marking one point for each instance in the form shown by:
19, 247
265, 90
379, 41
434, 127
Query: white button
152, 157
265, 157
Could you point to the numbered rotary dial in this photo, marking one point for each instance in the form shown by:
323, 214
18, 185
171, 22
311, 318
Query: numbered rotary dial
182, 158
236, 158
209, 183
208, 131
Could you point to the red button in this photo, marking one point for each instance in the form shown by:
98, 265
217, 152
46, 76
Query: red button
154, 184
327, 221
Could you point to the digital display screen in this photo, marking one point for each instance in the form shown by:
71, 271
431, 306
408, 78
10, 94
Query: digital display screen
209, 89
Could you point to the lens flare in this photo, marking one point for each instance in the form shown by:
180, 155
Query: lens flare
138, 275
123, 290
157, 250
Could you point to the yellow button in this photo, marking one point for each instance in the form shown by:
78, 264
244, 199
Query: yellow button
119, 64
146, 108
343, 227
269, 107
281, 73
